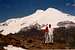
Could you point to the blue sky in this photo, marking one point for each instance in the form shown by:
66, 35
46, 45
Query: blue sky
19, 8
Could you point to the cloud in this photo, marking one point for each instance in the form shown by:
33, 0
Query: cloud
73, 5
67, 4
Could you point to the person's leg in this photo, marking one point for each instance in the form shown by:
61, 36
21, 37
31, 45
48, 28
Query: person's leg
46, 37
51, 38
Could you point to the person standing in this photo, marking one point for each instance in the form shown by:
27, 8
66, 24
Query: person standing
50, 34
46, 34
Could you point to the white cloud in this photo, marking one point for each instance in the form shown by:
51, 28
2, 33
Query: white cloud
73, 5
68, 4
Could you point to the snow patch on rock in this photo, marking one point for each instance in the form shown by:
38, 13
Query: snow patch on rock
11, 47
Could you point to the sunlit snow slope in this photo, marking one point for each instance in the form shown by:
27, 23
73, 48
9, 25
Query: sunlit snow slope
50, 16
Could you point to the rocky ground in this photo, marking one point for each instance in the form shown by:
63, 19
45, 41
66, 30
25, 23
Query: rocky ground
34, 39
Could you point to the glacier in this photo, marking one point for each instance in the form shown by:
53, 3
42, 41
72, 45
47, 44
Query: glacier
50, 16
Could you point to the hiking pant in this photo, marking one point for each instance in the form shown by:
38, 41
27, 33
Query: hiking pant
48, 38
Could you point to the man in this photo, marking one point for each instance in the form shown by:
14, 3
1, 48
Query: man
50, 34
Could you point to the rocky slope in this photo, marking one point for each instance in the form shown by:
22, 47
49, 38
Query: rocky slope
34, 39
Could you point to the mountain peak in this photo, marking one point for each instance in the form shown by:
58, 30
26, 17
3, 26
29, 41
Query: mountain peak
53, 10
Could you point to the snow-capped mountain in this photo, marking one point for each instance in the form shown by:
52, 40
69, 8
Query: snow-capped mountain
50, 16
